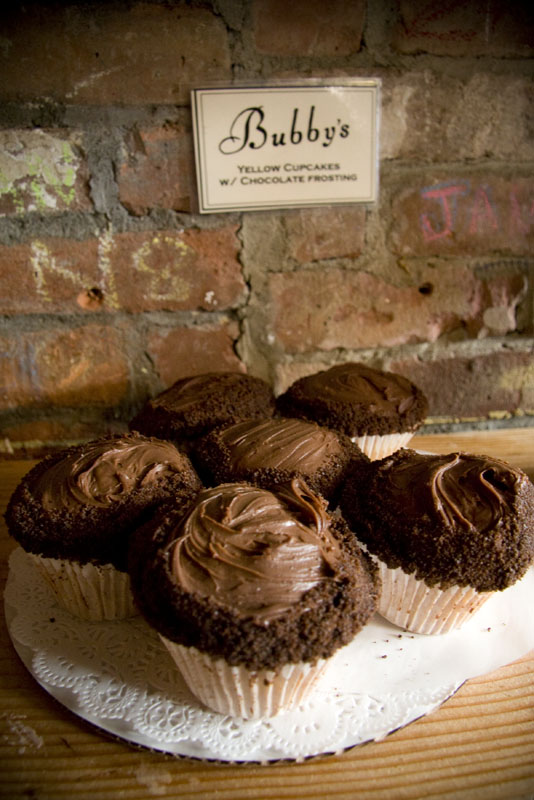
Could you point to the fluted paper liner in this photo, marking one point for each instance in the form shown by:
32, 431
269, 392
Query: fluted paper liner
240, 692
411, 604
376, 447
90, 591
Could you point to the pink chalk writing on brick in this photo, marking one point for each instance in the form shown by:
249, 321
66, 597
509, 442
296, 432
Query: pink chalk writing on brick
521, 219
446, 195
456, 208
482, 212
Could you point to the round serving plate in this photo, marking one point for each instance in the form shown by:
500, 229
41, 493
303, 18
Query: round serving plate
119, 677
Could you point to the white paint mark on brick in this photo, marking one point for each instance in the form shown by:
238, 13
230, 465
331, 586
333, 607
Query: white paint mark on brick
92, 79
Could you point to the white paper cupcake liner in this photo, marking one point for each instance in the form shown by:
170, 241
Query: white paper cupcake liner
90, 591
409, 603
240, 692
376, 447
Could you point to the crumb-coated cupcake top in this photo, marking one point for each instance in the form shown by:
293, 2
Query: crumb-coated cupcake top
257, 577
455, 519
357, 400
256, 556
273, 450
194, 405
80, 503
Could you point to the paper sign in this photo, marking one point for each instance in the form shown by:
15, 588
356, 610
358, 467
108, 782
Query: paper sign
286, 146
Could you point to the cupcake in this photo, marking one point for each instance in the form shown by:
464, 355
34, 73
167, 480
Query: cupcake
269, 451
447, 532
73, 514
252, 591
380, 411
193, 406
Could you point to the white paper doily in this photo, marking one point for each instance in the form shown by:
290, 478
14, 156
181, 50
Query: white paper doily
119, 677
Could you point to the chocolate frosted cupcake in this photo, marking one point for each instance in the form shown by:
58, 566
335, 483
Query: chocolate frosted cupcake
380, 411
73, 514
447, 531
193, 406
252, 591
269, 451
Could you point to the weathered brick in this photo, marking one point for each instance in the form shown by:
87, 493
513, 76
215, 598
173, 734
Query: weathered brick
334, 308
308, 27
46, 434
428, 116
157, 170
474, 387
464, 214
49, 275
180, 351
84, 366
195, 269
457, 28
109, 54
42, 171
317, 233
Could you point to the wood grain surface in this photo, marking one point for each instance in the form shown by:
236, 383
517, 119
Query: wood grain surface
478, 746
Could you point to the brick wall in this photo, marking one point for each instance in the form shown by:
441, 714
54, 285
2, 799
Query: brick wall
112, 286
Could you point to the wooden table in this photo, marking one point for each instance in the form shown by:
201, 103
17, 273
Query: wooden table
479, 744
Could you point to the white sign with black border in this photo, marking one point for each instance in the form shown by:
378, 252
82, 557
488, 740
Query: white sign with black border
289, 145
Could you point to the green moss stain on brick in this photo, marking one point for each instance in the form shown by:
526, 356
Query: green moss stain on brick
37, 173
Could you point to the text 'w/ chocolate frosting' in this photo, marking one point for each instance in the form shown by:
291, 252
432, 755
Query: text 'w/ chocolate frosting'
254, 551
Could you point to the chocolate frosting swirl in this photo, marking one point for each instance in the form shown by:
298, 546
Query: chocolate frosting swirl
466, 491
105, 471
381, 392
289, 444
456, 519
255, 551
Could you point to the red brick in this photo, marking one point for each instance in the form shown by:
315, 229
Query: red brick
110, 54
180, 351
328, 309
471, 214
157, 170
477, 386
195, 269
83, 366
14, 381
308, 27
318, 233
457, 28
48, 275
42, 171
